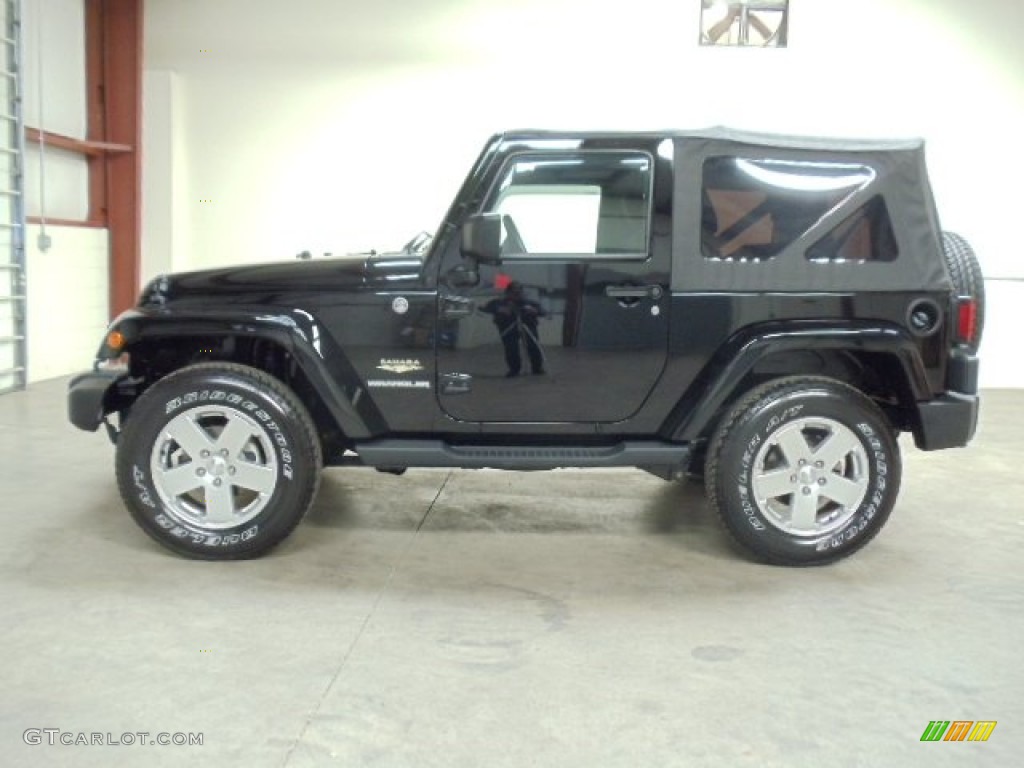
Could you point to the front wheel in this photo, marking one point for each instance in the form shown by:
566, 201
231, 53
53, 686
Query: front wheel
219, 461
803, 471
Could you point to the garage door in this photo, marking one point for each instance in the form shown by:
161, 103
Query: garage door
12, 210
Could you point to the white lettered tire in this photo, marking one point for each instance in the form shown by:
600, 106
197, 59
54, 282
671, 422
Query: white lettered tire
803, 471
218, 461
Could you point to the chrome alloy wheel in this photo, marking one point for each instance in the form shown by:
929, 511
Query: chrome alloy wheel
214, 468
810, 476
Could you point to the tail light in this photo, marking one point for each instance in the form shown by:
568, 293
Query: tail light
966, 320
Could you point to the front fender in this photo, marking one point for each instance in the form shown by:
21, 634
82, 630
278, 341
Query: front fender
299, 333
725, 373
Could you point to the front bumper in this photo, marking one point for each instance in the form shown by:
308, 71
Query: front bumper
93, 395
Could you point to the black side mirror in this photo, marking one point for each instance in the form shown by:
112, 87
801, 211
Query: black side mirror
462, 276
481, 238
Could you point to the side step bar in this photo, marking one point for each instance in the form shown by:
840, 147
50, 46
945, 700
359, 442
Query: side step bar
436, 453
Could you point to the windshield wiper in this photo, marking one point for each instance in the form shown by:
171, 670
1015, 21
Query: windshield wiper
419, 244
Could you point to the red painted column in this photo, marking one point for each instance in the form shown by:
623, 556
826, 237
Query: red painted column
121, 92
96, 129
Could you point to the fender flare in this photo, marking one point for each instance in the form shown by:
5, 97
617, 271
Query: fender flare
720, 378
322, 362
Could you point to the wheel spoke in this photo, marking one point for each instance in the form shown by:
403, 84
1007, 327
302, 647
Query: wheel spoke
189, 435
794, 446
254, 477
234, 437
773, 484
803, 511
826, 478
179, 480
220, 504
232, 470
843, 491
836, 447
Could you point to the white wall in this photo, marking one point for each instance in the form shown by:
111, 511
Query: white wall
337, 125
165, 230
67, 284
67, 299
56, 184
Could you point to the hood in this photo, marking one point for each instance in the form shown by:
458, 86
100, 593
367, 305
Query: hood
267, 282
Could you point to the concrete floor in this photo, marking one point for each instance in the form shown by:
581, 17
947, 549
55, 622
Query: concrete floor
497, 619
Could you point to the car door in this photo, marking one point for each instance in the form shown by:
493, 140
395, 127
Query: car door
572, 324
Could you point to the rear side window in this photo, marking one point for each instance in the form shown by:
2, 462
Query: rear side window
752, 209
867, 235
575, 205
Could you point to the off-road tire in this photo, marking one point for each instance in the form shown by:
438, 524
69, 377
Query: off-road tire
255, 470
965, 272
755, 457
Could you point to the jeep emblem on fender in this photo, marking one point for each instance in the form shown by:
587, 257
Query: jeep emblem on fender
400, 305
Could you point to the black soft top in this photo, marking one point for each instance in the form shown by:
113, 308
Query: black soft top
898, 181
735, 136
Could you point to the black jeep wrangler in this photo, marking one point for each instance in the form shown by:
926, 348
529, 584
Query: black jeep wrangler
766, 312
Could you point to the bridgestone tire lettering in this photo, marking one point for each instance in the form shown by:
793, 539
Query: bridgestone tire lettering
272, 410
749, 429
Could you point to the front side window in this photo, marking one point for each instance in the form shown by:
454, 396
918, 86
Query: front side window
585, 204
754, 208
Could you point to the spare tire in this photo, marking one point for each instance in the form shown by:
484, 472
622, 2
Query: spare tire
965, 272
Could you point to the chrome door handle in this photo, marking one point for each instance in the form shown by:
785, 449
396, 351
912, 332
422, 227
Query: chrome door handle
633, 291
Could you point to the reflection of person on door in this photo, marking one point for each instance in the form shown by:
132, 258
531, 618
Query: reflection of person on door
516, 318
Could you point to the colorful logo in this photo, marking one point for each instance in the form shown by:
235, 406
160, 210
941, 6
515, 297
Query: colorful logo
958, 730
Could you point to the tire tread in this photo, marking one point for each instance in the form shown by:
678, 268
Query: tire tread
965, 272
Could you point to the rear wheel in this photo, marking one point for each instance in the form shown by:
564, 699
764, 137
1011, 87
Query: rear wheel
965, 272
218, 461
803, 471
